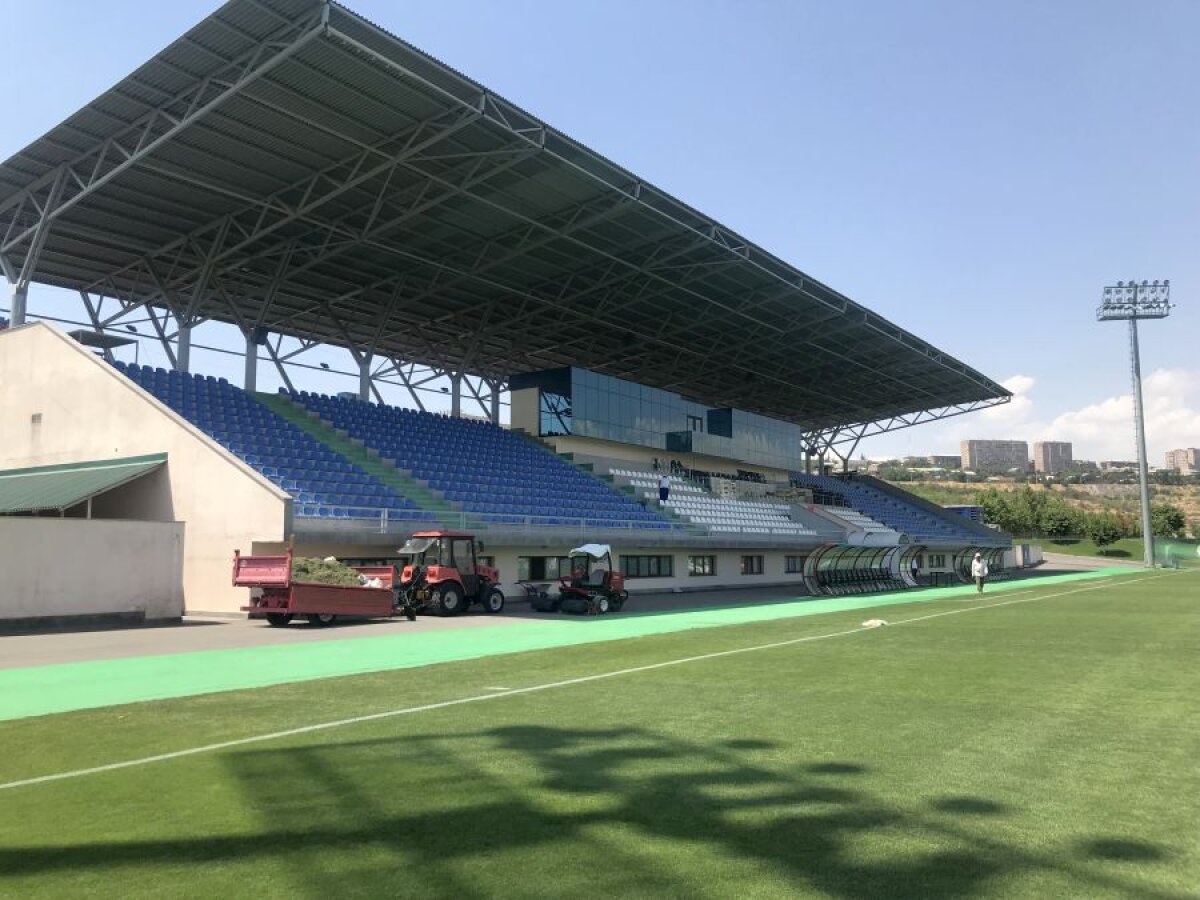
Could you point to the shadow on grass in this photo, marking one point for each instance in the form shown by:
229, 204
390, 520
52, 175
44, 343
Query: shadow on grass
1114, 553
1122, 850
975, 806
541, 810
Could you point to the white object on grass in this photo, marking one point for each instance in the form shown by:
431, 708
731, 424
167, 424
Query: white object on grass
873, 623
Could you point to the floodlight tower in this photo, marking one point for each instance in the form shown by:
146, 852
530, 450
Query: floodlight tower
1132, 301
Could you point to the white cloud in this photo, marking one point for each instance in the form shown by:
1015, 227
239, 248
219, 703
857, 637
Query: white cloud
1100, 430
1105, 430
1016, 410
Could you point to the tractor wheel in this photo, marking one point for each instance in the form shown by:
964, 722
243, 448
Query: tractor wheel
321, 620
602, 605
450, 600
278, 620
493, 600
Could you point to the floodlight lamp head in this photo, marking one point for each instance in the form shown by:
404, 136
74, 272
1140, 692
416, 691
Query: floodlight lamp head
1130, 300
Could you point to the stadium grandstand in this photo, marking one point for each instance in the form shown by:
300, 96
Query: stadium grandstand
293, 170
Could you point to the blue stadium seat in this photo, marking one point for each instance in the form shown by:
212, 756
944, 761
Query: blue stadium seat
492, 472
291, 458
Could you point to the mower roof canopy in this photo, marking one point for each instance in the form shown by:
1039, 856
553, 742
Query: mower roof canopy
596, 551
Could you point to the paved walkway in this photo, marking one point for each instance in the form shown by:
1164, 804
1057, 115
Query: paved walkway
247, 655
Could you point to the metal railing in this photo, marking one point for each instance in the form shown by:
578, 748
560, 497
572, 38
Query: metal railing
395, 521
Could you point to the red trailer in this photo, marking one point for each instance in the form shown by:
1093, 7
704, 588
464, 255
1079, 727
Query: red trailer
279, 599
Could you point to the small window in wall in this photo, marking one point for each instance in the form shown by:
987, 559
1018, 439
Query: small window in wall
702, 565
937, 560
752, 565
793, 565
695, 423
648, 566
541, 568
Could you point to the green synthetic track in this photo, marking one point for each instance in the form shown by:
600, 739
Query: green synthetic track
42, 690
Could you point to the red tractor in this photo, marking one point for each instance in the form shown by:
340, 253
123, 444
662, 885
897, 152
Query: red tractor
442, 574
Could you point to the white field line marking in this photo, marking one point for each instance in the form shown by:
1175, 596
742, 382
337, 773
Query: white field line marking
583, 679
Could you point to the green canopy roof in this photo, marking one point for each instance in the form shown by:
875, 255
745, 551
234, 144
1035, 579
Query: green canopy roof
69, 484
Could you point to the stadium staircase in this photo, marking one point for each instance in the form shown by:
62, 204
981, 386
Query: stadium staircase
854, 521
497, 476
370, 462
323, 483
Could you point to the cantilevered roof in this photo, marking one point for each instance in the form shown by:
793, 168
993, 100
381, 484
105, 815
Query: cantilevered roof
289, 165
60, 487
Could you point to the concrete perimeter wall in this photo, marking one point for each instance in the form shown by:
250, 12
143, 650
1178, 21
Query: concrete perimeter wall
82, 567
61, 404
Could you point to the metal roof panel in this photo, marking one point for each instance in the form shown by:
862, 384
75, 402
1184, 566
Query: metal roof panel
61, 487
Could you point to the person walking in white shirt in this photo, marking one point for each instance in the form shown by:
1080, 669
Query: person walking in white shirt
664, 489
979, 571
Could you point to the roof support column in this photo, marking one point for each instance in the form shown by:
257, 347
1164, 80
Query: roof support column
456, 394
250, 379
494, 412
364, 377
183, 348
20, 295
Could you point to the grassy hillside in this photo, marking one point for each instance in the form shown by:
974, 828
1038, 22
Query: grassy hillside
1092, 498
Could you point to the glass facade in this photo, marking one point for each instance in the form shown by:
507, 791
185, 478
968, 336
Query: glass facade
576, 401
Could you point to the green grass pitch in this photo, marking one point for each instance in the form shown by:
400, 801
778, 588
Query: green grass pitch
1039, 743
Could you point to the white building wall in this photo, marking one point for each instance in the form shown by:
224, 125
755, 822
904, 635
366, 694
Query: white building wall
88, 567
61, 404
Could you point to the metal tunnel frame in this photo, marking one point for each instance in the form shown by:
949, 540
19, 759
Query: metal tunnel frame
835, 569
993, 556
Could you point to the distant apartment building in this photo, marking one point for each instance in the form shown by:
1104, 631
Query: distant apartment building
994, 456
1051, 457
945, 462
1185, 461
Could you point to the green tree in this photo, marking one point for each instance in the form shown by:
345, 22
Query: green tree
1104, 529
1025, 509
995, 508
1060, 520
1167, 521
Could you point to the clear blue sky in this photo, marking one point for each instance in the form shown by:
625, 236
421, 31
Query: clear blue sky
974, 171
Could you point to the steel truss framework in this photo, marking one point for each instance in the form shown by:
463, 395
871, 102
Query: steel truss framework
294, 170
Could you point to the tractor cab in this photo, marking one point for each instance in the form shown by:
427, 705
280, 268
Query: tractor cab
442, 574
